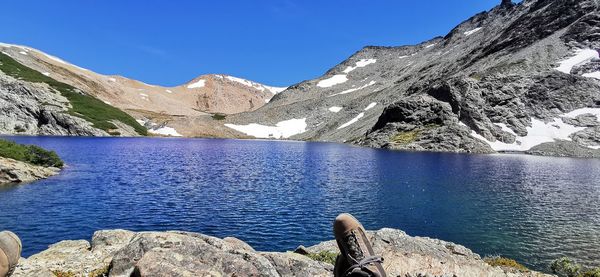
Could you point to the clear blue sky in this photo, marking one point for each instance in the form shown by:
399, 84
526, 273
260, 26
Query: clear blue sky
276, 42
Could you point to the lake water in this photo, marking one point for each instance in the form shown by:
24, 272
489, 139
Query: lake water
278, 195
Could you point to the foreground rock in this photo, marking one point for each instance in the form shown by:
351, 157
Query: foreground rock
13, 171
125, 253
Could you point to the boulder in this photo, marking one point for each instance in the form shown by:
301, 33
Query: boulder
13, 171
124, 253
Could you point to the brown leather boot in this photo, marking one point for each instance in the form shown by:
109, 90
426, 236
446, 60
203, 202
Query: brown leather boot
357, 256
10, 252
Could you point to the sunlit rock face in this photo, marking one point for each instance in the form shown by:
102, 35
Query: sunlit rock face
503, 80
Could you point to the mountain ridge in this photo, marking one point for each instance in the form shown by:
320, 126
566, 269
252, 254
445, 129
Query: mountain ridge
462, 92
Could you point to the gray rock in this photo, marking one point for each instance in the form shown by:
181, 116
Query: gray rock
36, 109
192, 254
15, 172
564, 149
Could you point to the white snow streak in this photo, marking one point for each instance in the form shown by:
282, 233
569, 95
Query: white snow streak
430, 45
168, 91
468, 33
372, 105
198, 84
592, 75
165, 131
23, 53
335, 109
332, 81
353, 89
46, 73
112, 79
275, 90
352, 121
575, 113
582, 56
283, 129
361, 63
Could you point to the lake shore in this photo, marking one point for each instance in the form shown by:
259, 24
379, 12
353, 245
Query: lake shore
17, 172
121, 253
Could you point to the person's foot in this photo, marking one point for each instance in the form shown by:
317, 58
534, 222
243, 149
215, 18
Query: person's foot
357, 257
10, 252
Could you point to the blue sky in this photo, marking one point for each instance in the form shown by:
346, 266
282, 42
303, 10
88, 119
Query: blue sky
276, 42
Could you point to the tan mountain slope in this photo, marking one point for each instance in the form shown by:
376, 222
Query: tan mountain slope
205, 94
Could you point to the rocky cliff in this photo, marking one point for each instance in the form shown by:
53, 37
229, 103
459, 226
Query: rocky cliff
520, 77
125, 253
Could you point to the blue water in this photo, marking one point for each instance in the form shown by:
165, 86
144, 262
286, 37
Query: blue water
278, 195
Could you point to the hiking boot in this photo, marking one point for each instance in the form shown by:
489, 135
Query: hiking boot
357, 257
10, 252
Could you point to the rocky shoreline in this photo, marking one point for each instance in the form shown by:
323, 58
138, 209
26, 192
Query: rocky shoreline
16, 172
173, 253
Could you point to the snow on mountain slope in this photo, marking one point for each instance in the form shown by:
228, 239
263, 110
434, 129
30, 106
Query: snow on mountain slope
504, 80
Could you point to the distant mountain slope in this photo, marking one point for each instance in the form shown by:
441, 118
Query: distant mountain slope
205, 95
32, 103
520, 77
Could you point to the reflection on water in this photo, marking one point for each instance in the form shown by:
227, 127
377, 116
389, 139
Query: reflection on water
278, 195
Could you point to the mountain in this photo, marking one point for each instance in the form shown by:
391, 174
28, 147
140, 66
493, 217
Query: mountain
154, 106
520, 77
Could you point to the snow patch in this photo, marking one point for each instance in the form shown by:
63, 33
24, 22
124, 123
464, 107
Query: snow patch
168, 91
23, 53
430, 45
592, 75
540, 132
46, 73
106, 102
372, 105
241, 81
143, 95
165, 131
283, 129
505, 128
582, 56
198, 84
6, 54
352, 121
576, 113
468, 33
360, 63
335, 109
275, 90
332, 81
354, 89
112, 79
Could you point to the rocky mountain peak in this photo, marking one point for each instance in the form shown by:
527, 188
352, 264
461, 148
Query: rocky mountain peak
506, 3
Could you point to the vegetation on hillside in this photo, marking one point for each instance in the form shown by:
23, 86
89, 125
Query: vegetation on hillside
567, 268
505, 262
84, 106
29, 153
324, 256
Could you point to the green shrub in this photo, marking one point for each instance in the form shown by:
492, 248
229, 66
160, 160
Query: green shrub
567, 268
29, 153
405, 137
219, 116
59, 273
324, 256
505, 262
84, 106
